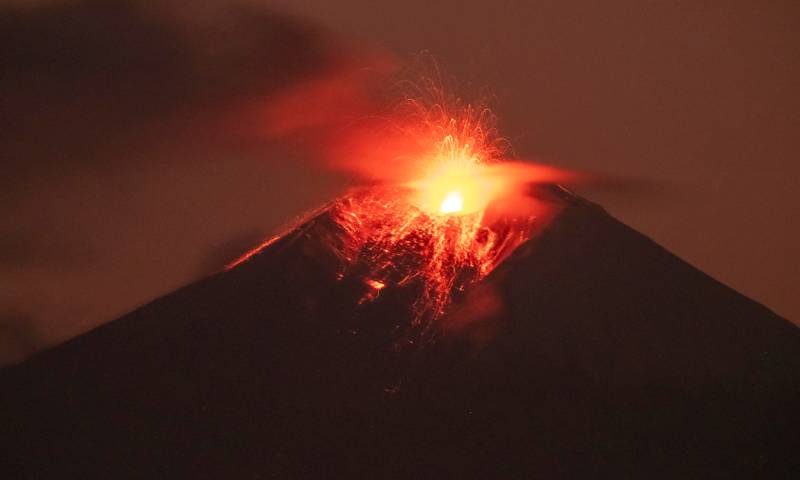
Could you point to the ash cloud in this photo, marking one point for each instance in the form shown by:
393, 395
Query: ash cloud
131, 156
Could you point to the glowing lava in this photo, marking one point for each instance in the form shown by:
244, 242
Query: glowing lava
428, 237
454, 189
422, 234
453, 203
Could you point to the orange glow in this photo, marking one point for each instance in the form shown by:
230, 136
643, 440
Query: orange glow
444, 207
430, 235
457, 187
252, 252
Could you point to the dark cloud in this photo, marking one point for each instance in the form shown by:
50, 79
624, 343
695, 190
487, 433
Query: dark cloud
85, 78
128, 151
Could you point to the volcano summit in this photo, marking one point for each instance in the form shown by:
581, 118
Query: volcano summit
588, 351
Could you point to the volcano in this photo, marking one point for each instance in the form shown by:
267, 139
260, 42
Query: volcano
589, 351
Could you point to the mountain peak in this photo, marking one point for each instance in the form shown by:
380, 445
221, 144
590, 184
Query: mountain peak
589, 351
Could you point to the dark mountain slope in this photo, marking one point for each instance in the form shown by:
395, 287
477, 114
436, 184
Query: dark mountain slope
602, 354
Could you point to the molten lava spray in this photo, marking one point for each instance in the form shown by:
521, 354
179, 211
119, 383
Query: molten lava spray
391, 242
430, 235
446, 210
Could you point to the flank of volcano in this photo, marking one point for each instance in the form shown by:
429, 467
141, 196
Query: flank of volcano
587, 351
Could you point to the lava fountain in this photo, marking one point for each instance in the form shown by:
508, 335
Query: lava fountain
431, 235
443, 208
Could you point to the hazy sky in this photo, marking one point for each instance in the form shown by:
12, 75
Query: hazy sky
127, 172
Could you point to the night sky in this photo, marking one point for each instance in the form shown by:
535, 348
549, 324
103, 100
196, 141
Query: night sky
132, 160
